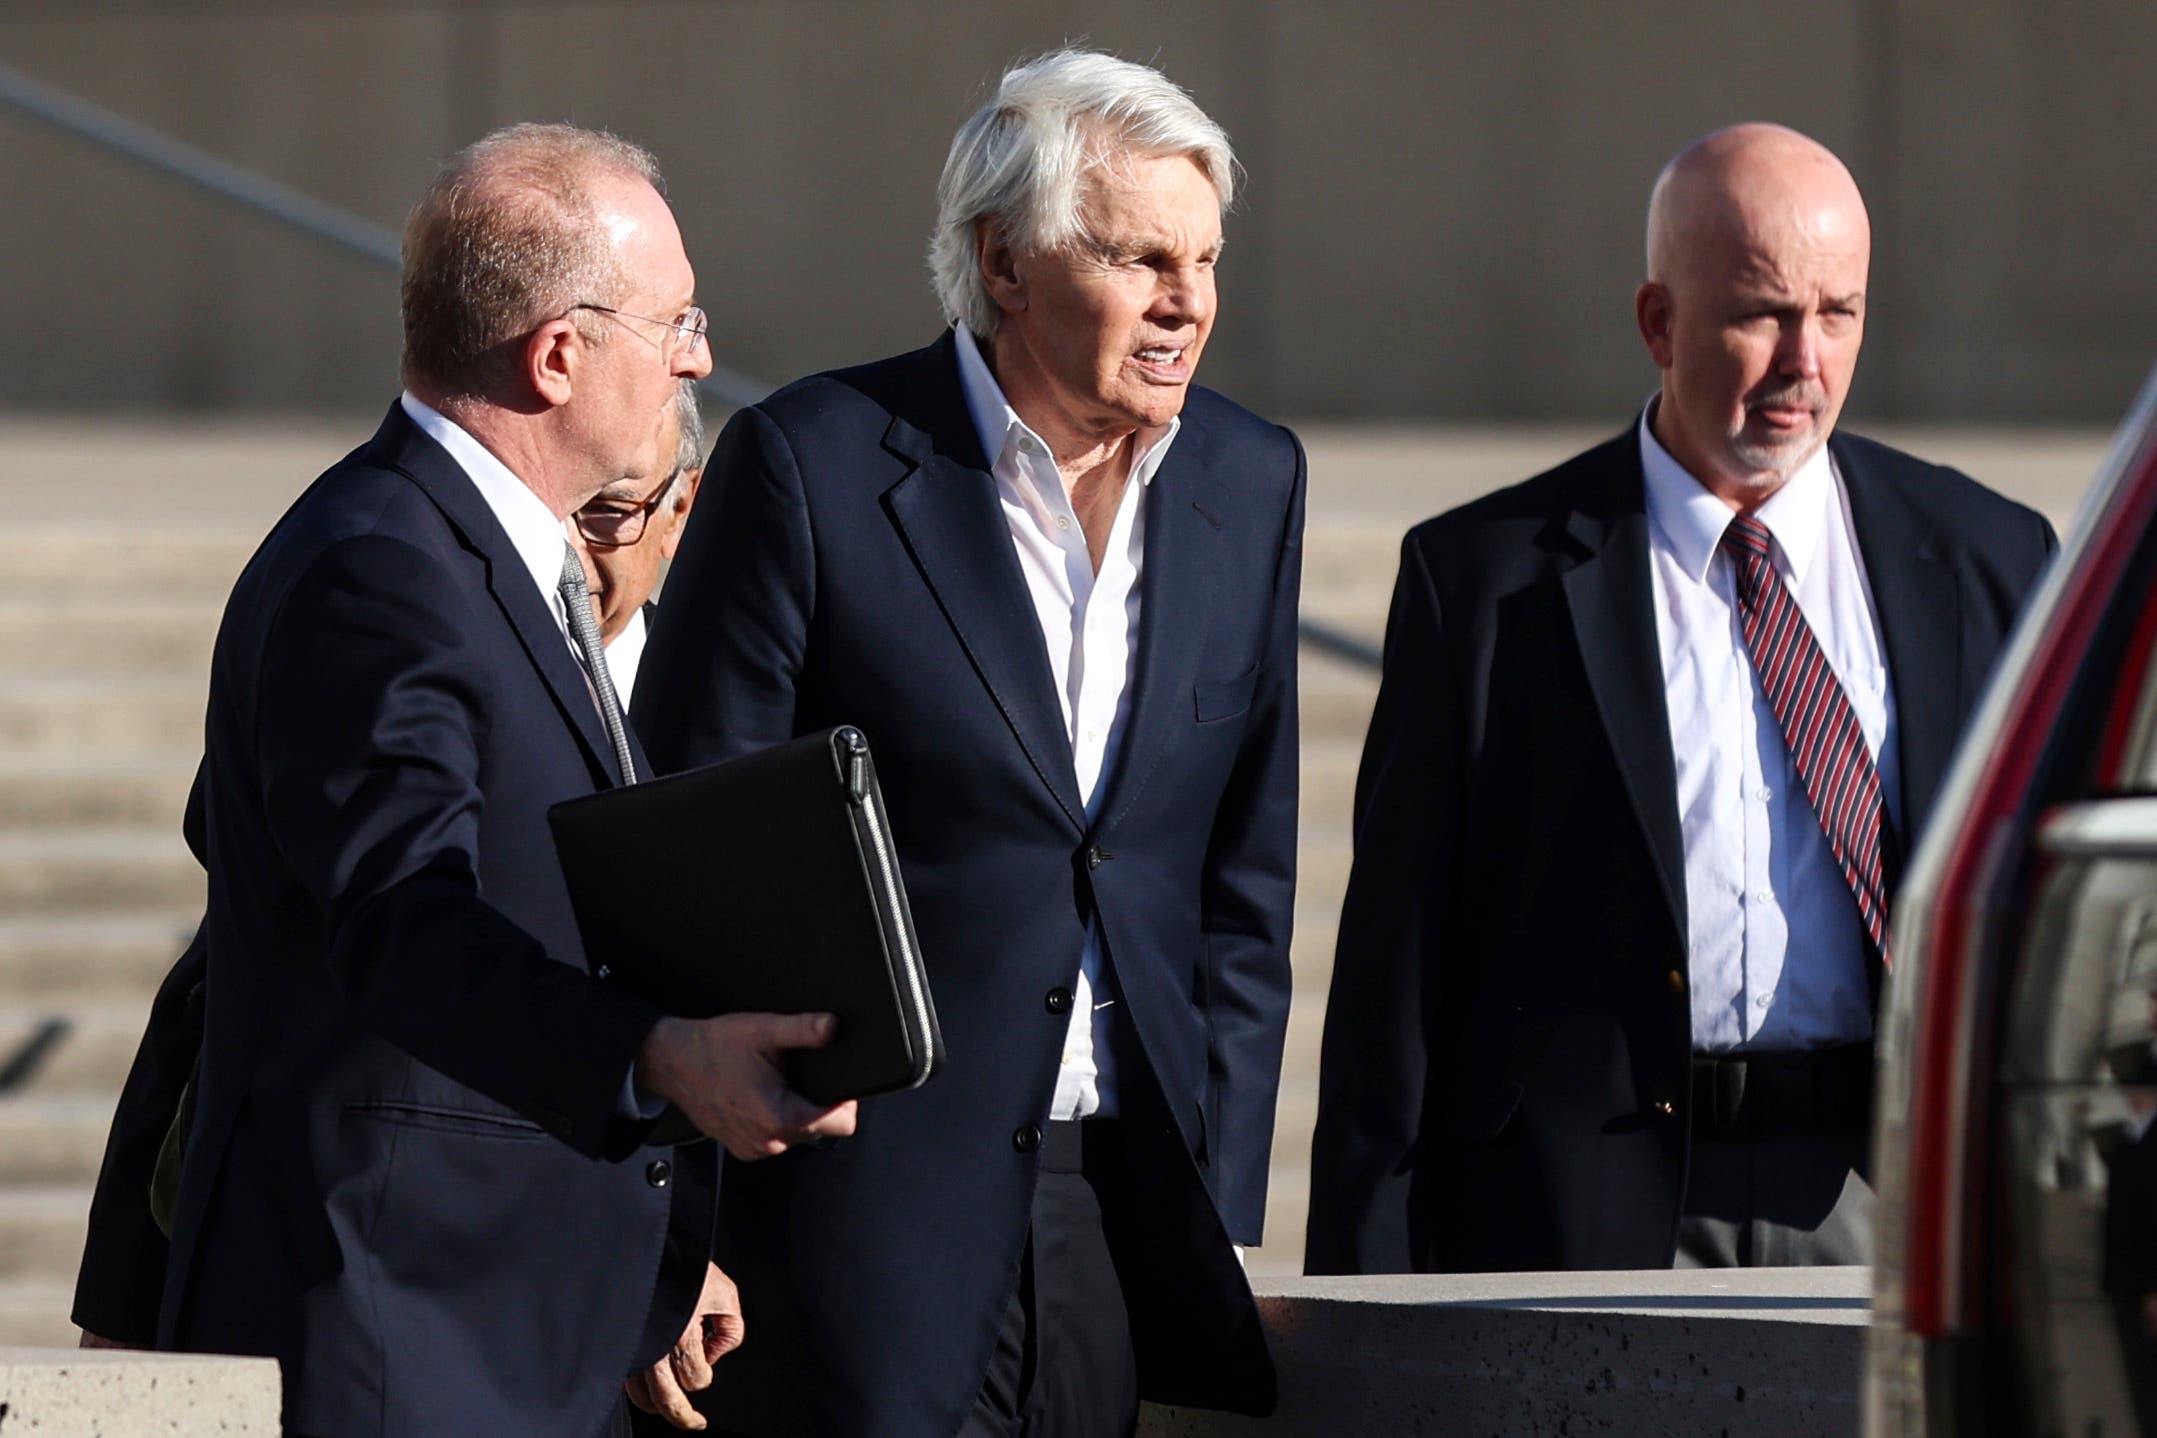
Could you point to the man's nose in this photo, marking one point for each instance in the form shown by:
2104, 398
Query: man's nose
1799, 352
1185, 296
694, 361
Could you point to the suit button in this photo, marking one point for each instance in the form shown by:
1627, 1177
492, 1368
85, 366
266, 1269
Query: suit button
1026, 1139
1094, 856
1059, 1001
605, 973
1677, 982
1664, 1107
659, 1173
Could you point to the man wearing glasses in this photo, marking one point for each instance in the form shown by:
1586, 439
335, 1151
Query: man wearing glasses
627, 533
417, 1169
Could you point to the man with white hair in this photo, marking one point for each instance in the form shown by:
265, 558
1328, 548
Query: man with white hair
1655, 733
1055, 584
628, 532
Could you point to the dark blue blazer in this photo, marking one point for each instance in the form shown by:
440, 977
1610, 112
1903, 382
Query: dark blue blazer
847, 562
1505, 1078
414, 1172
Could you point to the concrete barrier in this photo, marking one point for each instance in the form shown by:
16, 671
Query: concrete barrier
1730, 1352
75, 1393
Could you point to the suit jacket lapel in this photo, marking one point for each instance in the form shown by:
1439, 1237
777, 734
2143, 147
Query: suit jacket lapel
1612, 601
946, 508
407, 448
1918, 605
1183, 559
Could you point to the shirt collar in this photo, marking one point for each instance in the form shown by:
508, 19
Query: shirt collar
1000, 429
1692, 520
533, 530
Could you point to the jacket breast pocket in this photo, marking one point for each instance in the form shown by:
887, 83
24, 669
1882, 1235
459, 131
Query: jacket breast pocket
1225, 698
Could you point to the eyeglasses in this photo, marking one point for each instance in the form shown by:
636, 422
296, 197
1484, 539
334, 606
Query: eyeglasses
687, 328
616, 524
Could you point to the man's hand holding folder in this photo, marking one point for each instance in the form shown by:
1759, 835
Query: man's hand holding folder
726, 1075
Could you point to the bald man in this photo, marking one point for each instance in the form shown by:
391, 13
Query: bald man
1655, 733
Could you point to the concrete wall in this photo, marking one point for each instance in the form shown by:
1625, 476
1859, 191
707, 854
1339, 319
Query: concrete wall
1749, 1353
1443, 212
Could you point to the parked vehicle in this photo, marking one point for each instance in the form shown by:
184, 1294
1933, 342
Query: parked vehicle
2015, 1290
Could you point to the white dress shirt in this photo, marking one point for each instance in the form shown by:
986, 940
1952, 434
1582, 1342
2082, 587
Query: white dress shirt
1776, 949
1089, 625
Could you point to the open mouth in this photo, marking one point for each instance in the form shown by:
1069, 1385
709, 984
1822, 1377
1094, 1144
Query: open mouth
1165, 362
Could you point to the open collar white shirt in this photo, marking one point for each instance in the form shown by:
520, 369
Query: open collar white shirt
1776, 950
1089, 626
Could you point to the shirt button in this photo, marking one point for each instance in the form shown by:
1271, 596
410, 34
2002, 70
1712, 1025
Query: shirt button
1026, 1139
1765, 794
1765, 896
1059, 1000
1762, 1001
659, 1173
1063, 521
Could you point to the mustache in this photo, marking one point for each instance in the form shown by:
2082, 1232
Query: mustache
1797, 394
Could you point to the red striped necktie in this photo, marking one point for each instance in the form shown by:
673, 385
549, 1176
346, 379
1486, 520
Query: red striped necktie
1826, 743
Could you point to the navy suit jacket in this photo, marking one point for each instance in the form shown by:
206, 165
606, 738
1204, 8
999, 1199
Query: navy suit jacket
414, 1172
1505, 1074
848, 562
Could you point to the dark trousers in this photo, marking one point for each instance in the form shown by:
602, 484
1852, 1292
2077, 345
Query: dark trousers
1064, 1366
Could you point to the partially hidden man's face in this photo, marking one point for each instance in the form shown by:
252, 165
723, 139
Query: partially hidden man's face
1761, 322
1103, 336
623, 576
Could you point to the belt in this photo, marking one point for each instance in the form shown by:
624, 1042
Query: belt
1746, 1096
1080, 1145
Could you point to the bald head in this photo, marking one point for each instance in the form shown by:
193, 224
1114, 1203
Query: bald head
1734, 185
1758, 253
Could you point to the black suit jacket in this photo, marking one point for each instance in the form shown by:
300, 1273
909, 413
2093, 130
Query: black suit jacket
847, 562
1504, 1078
413, 1173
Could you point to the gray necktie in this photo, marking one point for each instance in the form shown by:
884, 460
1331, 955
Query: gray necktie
584, 628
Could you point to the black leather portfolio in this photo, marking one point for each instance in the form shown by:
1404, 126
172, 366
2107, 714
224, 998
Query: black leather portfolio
764, 884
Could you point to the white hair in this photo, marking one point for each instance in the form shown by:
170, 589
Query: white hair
1018, 162
688, 447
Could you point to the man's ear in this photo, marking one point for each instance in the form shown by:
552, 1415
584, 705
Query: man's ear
1001, 272
690, 482
552, 355
1651, 310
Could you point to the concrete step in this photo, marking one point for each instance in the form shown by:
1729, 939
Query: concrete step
59, 959
63, 564
87, 1055
67, 711
101, 633
53, 1138
96, 870
33, 1313
41, 1231
1288, 1203
95, 786
1329, 781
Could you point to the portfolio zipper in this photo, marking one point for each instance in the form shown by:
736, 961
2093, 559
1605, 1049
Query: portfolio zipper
857, 788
